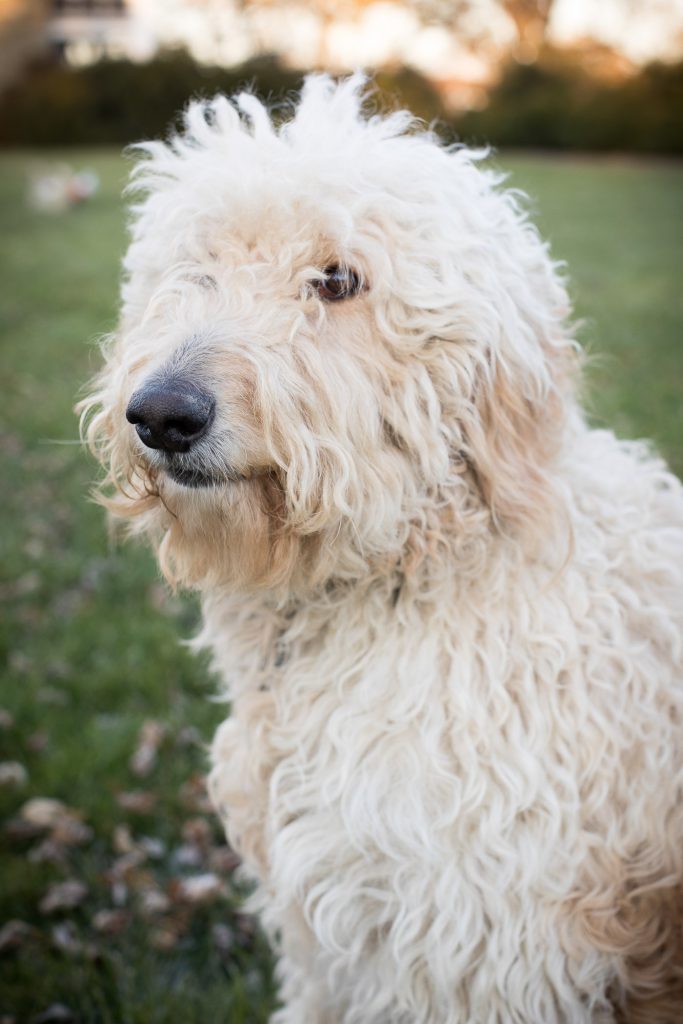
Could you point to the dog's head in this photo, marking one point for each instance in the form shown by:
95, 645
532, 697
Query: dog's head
340, 344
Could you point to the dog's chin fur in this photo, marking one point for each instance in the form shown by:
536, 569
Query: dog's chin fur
446, 614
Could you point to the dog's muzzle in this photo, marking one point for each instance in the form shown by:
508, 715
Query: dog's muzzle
171, 414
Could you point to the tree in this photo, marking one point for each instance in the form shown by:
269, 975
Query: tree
531, 19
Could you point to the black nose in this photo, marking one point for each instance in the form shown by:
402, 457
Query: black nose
171, 414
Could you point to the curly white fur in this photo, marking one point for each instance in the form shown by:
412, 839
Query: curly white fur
447, 615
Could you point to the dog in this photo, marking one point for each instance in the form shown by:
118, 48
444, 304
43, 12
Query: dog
342, 403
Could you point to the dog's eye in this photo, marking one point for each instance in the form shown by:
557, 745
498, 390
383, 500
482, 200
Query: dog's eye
206, 281
337, 283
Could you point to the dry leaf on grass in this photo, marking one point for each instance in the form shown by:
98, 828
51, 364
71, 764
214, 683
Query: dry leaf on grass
15, 934
223, 938
66, 939
12, 773
111, 922
246, 927
128, 869
223, 860
187, 855
153, 902
150, 738
6, 719
69, 831
189, 736
153, 848
37, 742
45, 812
194, 795
63, 824
137, 801
122, 840
137, 850
19, 831
198, 832
63, 896
119, 892
164, 938
198, 888
48, 852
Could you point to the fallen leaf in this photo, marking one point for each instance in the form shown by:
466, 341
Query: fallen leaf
27, 584
20, 831
123, 840
63, 896
126, 866
246, 926
45, 812
137, 801
69, 831
152, 847
12, 773
164, 938
223, 860
119, 892
150, 738
37, 742
153, 901
48, 852
188, 856
200, 888
110, 922
15, 934
63, 823
194, 795
198, 832
223, 938
189, 736
66, 939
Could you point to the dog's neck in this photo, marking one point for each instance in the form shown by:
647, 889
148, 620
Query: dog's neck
258, 637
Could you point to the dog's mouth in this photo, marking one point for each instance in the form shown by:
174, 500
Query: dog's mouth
193, 476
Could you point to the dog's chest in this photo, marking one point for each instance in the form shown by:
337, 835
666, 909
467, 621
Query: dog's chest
369, 757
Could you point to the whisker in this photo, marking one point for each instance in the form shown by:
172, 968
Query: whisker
60, 441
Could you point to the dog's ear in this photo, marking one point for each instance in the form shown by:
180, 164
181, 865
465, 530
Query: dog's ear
512, 432
520, 375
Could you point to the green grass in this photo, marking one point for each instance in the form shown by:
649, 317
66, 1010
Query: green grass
617, 224
90, 649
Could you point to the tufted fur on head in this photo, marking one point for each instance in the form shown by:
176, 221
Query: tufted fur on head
447, 615
445, 383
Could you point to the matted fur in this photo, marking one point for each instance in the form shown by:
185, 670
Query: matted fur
446, 614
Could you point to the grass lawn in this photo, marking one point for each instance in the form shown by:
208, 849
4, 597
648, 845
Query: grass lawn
97, 693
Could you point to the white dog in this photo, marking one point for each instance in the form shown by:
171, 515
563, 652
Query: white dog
447, 614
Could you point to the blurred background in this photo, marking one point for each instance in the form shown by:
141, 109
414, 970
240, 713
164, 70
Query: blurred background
119, 901
568, 74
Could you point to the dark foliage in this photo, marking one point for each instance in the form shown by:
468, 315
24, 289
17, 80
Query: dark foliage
117, 101
554, 103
